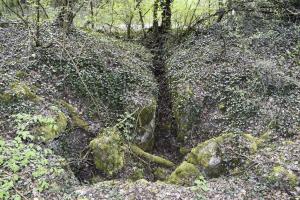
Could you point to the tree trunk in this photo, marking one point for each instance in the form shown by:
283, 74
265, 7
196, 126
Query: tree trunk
129, 27
166, 16
66, 16
165, 124
155, 16
141, 19
92, 14
37, 32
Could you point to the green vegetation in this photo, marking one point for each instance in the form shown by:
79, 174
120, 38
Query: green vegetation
159, 99
185, 174
108, 152
43, 128
26, 163
152, 158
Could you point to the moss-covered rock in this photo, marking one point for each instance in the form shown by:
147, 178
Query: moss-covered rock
107, 151
217, 155
283, 177
160, 174
77, 120
51, 127
18, 91
22, 90
183, 111
137, 174
145, 127
206, 155
185, 174
6, 98
254, 142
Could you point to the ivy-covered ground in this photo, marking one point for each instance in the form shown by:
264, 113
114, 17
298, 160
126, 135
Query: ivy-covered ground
77, 115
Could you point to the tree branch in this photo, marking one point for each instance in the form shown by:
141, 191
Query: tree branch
17, 14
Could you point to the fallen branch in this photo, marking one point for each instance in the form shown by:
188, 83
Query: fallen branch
156, 159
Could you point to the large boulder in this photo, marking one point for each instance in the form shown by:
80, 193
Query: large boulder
220, 154
18, 91
77, 120
52, 127
283, 177
185, 174
43, 127
107, 151
145, 127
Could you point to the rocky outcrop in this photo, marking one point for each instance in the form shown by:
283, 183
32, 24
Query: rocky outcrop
145, 127
283, 177
185, 174
18, 91
107, 151
52, 126
76, 120
218, 155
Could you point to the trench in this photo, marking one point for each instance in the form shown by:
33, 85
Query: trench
73, 146
165, 124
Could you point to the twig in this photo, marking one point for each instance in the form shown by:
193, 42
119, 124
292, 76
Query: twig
17, 14
19, 193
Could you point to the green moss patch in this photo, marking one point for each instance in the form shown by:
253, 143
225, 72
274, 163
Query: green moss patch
283, 176
185, 174
215, 155
107, 151
18, 91
77, 120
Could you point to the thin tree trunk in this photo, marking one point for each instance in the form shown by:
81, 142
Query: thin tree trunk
112, 15
21, 8
166, 16
66, 16
37, 33
92, 14
129, 27
141, 19
155, 16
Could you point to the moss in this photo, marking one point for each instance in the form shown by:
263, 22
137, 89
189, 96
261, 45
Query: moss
6, 97
147, 114
77, 120
183, 150
145, 128
289, 142
53, 128
80, 123
266, 136
185, 174
156, 159
21, 74
254, 142
160, 174
21, 90
281, 175
222, 107
107, 151
18, 91
137, 174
